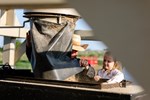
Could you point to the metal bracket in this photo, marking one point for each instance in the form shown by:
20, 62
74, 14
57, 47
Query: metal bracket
16, 26
41, 15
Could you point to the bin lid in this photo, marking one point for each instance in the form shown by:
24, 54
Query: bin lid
59, 11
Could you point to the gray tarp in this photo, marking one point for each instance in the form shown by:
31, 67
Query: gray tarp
51, 47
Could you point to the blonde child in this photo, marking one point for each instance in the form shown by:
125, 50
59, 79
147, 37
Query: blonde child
111, 69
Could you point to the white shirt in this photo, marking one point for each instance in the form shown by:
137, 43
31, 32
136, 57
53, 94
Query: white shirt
114, 76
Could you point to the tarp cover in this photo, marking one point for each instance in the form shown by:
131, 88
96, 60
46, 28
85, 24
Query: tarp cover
51, 49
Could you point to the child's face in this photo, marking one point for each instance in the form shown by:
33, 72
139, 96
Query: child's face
108, 62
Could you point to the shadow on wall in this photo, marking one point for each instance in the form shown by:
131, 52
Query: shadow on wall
128, 76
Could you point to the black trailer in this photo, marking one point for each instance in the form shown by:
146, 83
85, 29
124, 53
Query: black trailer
21, 85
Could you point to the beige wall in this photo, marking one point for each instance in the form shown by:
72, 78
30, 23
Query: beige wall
124, 26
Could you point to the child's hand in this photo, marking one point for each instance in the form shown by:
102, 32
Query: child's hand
97, 78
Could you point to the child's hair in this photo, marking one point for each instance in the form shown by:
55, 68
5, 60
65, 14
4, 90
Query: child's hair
117, 64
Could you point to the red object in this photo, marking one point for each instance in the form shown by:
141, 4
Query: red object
93, 60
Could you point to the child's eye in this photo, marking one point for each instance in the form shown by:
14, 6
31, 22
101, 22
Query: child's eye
109, 61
